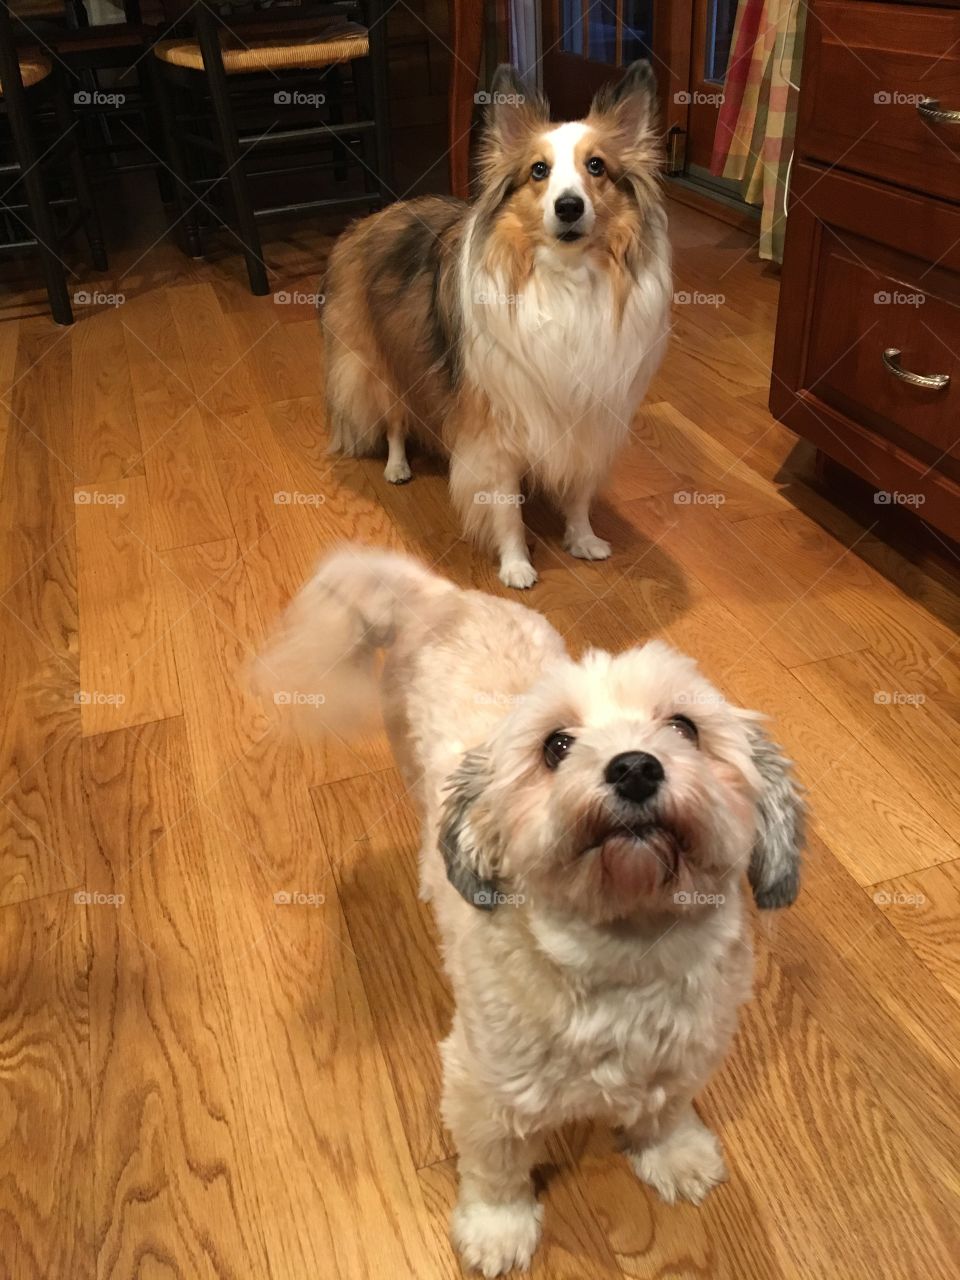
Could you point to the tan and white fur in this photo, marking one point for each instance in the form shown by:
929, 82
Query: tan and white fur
518, 334
592, 920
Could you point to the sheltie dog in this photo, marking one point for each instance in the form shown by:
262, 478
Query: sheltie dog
517, 334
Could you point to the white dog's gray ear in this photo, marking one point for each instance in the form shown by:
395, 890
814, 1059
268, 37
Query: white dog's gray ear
774, 872
468, 848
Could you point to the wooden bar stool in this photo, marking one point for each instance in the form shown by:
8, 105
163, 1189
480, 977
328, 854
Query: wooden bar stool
29, 83
261, 67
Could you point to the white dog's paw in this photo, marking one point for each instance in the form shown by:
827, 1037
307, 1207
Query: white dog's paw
684, 1166
492, 1238
588, 547
517, 573
398, 472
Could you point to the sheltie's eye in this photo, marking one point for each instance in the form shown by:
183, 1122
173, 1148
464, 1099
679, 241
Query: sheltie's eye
596, 167
686, 728
539, 171
556, 747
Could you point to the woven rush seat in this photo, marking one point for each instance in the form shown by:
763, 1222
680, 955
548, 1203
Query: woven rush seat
291, 45
33, 69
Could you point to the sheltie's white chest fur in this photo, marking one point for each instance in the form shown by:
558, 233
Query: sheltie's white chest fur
563, 374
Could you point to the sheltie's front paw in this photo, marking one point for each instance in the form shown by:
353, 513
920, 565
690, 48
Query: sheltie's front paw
588, 547
398, 472
493, 1238
517, 573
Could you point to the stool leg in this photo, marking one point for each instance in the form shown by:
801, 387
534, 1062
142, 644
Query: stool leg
148, 77
333, 82
230, 150
26, 153
70, 129
182, 190
380, 104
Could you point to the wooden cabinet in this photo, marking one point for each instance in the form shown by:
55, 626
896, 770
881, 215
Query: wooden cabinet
867, 357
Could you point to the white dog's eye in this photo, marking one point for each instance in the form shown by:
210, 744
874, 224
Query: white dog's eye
556, 747
686, 728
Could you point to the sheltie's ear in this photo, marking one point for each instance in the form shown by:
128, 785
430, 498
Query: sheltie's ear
514, 109
630, 105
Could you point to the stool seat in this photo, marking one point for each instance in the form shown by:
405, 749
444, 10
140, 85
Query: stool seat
33, 69
290, 45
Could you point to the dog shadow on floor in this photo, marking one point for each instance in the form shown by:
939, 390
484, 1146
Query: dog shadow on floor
637, 592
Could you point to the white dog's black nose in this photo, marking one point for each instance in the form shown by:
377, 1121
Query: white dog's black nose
568, 208
634, 775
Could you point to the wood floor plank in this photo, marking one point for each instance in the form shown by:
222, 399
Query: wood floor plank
284, 359
46, 1143
924, 908
371, 837
128, 674
901, 1032
218, 363
107, 443
912, 641
174, 1173
319, 1101
786, 1082
42, 826
186, 501
795, 627
912, 740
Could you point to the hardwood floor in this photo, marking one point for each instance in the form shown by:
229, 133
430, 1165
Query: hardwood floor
199, 1079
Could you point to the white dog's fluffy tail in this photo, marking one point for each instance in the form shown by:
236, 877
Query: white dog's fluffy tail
323, 658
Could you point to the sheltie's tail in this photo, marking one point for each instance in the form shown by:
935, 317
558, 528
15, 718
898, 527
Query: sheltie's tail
322, 661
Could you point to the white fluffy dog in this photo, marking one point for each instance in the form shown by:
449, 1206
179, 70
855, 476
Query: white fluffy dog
585, 829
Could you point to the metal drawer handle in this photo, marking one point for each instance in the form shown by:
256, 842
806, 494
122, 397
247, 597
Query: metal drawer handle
931, 381
929, 108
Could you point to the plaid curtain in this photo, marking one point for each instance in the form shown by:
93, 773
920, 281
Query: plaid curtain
755, 131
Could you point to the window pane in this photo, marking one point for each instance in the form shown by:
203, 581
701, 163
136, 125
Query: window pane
636, 39
634, 33
721, 15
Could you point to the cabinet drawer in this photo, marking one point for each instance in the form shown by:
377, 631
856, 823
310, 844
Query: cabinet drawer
866, 268
869, 299
867, 67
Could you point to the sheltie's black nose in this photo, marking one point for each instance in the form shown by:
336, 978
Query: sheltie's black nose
568, 208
